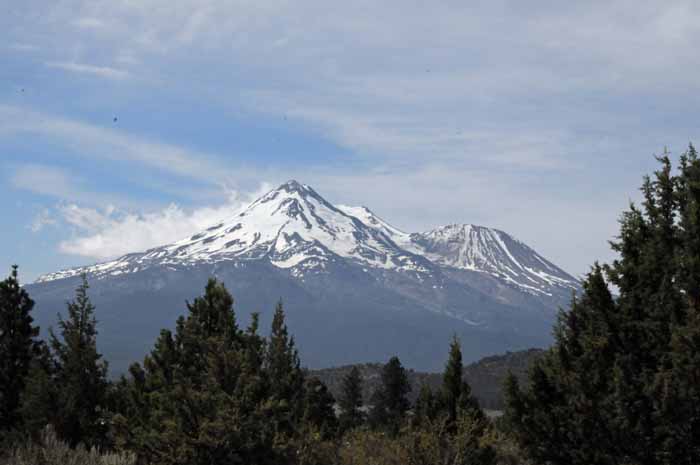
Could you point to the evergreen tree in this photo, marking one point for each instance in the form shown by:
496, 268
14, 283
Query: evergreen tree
38, 403
427, 406
390, 403
282, 358
319, 413
80, 373
18, 347
620, 383
203, 395
350, 401
456, 392
677, 386
565, 416
284, 372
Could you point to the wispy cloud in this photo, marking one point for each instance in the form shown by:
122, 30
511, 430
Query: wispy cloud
95, 141
43, 179
62, 185
83, 68
536, 118
407, 86
41, 220
107, 233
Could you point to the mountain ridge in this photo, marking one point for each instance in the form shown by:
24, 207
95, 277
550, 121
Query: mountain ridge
354, 232
355, 287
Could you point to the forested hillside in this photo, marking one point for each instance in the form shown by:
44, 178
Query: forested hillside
486, 377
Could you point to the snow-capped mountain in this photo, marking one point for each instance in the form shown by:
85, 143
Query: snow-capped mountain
295, 228
356, 287
476, 248
291, 226
487, 250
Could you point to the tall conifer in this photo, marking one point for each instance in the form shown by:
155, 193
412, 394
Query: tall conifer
18, 346
620, 383
81, 374
350, 400
390, 402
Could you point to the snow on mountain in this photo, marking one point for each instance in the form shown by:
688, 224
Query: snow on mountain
357, 288
368, 217
291, 226
476, 248
487, 250
294, 228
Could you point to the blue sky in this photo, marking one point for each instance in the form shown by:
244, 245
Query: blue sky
539, 119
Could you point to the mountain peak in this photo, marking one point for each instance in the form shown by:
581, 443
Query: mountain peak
489, 250
293, 227
294, 186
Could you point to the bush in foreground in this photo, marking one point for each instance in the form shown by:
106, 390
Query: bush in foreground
49, 450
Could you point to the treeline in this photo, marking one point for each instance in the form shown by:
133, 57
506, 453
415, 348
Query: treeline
485, 377
211, 392
620, 386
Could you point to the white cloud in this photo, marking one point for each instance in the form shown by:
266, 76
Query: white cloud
83, 68
46, 180
103, 234
471, 112
377, 81
41, 220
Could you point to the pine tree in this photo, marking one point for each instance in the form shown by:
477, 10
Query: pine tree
620, 383
284, 372
282, 358
318, 408
456, 393
677, 386
80, 373
38, 402
390, 403
18, 347
350, 401
565, 417
203, 395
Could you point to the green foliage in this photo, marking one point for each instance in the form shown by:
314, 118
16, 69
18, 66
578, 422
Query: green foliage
620, 384
427, 406
214, 393
39, 398
211, 392
49, 450
372, 448
350, 401
469, 443
319, 414
390, 403
200, 396
456, 393
286, 379
18, 347
452, 382
80, 378
421, 446
485, 377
